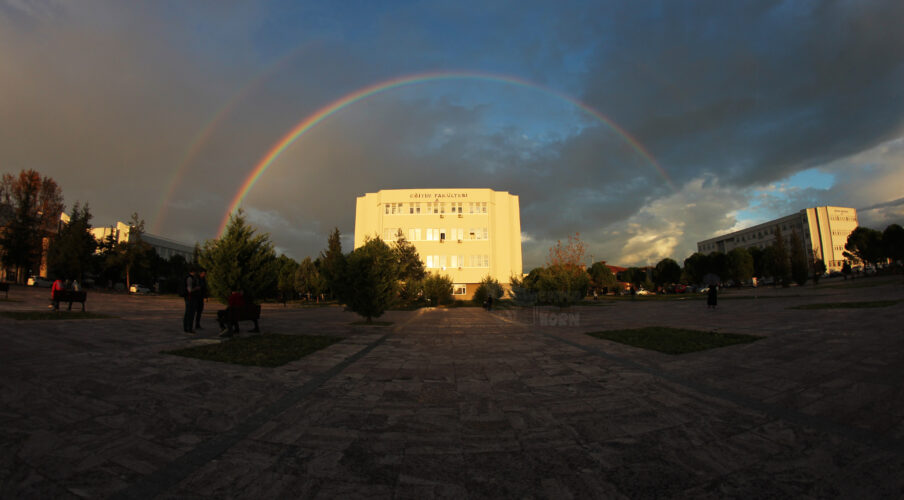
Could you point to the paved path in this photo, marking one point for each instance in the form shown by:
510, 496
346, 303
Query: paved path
461, 403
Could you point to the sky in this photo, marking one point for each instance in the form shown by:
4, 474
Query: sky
643, 126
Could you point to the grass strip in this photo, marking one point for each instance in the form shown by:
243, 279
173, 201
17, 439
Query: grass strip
53, 315
848, 305
259, 350
673, 340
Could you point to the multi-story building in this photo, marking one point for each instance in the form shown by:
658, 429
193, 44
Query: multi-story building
164, 247
823, 230
467, 234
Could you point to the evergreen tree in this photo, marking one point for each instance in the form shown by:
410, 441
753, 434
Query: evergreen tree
488, 287
72, 251
740, 265
308, 280
411, 268
864, 244
240, 260
332, 264
781, 261
799, 265
286, 280
369, 280
34, 204
893, 241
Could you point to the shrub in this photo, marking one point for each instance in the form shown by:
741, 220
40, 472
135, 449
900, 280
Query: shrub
489, 287
438, 289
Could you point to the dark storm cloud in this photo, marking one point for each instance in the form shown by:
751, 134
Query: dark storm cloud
109, 99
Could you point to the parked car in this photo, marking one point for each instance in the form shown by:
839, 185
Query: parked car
136, 288
39, 282
645, 292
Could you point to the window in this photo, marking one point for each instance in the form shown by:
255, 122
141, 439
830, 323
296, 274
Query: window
483, 207
414, 208
386, 209
456, 207
429, 261
442, 208
458, 289
442, 235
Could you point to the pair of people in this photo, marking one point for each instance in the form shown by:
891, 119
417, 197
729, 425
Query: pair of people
195, 294
236, 299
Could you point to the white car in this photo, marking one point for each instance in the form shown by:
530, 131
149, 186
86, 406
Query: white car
136, 288
645, 292
39, 282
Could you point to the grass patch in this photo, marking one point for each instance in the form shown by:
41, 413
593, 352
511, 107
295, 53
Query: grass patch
372, 323
44, 315
848, 305
259, 350
673, 340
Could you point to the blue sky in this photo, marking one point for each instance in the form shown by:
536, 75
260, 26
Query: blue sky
754, 110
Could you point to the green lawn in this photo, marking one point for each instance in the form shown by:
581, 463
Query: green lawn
259, 350
848, 305
52, 315
673, 340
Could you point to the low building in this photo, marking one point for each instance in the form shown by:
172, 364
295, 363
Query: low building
165, 248
823, 231
467, 234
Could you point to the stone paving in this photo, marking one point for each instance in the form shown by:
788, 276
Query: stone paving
461, 403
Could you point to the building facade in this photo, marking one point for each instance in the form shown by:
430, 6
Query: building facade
164, 247
823, 230
467, 234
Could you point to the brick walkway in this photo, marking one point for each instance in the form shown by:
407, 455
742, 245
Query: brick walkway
461, 402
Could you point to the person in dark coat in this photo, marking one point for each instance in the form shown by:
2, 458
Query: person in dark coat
711, 297
198, 304
192, 290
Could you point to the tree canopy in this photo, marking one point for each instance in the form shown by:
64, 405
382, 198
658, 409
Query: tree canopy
33, 204
72, 251
240, 260
369, 281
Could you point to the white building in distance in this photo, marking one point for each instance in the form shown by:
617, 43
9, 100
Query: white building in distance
823, 230
467, 234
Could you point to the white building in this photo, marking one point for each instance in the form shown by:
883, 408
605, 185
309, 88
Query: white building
823, 230
165, 247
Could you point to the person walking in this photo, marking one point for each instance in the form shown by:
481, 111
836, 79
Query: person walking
200, 299
192, 287
711, 297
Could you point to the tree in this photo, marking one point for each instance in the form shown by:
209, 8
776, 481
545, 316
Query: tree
781, 268
411, 268
893, 240
285, 283
240, 260
35, 204
666, 271
740, 265
72, 251
308, 280
819, 268
332, 264
488, 287
800, 268
696, 267
369, 282
437, 288
717, 263
757, 255
133, 252
864, 244
564, 281
601, 276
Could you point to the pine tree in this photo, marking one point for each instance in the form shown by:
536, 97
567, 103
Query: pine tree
240, 260
72, 251
332, 264
369, 282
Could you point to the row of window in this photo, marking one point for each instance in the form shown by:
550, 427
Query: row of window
456, 261
843, 218
437, 207
437, 234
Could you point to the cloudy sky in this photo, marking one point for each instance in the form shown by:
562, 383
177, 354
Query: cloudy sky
645, 126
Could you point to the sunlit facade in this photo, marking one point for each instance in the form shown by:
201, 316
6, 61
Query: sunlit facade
823, 230
467, 234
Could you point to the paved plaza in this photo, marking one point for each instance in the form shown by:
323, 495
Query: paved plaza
461, 403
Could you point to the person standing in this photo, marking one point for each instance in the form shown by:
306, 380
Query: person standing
199, 300
711, 297
192, 288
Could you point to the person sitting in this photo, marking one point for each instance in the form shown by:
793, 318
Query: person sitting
55, 294
236, 299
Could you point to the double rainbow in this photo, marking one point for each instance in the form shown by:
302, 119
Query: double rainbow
306, 124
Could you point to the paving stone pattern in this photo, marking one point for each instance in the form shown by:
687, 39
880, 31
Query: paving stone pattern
455, 403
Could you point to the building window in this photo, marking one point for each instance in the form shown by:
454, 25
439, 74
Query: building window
458, 289
483, 207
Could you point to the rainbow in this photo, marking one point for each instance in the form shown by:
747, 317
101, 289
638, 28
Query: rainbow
200, 140
309, 122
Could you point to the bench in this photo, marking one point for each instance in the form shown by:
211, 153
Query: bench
69, 296
234, 314
4, 287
